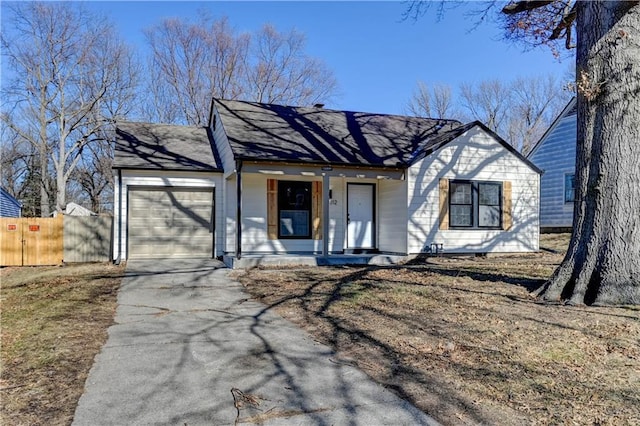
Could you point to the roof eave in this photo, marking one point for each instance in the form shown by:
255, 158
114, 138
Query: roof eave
168, 169
399, 166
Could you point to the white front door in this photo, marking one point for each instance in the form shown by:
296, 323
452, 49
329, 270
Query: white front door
360, 216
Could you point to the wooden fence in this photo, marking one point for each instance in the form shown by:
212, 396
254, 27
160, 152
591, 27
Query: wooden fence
31, 241
50, 241
87, 238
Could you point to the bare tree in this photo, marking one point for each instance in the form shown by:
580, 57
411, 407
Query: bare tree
69, 70
16, 177
602, 264
434, 103
94, 176
519, 110
191, 63
488, 102
278, 70
535, 103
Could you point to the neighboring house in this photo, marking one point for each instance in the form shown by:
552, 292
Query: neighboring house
74, 209
9, 206
293, 180
555, 154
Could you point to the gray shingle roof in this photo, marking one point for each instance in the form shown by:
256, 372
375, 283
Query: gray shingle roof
269, 132
164, 147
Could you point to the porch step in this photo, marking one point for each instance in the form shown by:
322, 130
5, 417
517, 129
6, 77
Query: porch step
254, 260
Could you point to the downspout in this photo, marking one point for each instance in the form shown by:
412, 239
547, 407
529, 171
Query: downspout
119, 258
239, 209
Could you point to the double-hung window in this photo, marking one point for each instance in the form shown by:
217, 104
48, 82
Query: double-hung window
461, 204
294, 209
475, 204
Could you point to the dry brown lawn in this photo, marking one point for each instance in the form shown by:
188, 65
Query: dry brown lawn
463, 339
54, 321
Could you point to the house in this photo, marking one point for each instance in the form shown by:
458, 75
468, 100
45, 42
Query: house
555, 154
266, 179
74, 209
9, 206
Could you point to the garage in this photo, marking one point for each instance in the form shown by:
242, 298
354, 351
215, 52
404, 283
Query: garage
170, 222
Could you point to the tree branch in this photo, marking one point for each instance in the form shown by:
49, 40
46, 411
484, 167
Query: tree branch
524, 6
565, 24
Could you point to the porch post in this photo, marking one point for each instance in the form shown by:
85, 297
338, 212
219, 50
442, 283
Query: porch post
325, 214
239, 210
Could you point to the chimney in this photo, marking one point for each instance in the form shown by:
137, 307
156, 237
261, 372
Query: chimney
318, 106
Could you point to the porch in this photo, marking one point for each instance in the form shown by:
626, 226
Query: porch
248, 261
293, 210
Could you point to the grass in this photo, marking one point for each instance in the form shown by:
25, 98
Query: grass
459, 337
54, 321
463, 339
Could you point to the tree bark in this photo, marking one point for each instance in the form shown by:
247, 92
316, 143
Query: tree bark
602, 264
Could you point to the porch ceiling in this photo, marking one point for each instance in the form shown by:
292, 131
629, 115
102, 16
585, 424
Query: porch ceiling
279, 169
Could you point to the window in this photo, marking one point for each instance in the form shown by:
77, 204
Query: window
569, 188
475, 204
461, 204
294, 209
489, 205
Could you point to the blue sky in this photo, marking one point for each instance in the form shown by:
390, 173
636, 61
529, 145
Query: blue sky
377, 58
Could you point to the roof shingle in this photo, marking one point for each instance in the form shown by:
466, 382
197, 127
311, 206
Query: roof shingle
269, 132
164, 147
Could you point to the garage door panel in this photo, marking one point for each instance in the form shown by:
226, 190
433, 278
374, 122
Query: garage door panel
170, 222
191, 221
190, 196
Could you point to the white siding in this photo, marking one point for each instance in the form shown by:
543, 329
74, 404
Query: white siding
556, 156
254, 218
147, 178
337, 214
222, 144
392, 216
474, 155
230, 208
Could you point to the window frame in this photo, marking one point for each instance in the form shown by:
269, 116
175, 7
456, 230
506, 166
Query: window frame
281, 190
471, 210
572, 200
475, 203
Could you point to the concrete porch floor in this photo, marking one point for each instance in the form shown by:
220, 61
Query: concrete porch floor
248, 261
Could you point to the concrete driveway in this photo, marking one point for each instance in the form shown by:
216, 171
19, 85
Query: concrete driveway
189, 347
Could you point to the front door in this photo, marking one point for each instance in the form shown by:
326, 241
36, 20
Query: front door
360, 216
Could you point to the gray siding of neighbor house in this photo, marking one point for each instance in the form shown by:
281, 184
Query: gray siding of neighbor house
556, 156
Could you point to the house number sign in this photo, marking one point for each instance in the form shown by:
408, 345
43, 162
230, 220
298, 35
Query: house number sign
34, 228
12, 227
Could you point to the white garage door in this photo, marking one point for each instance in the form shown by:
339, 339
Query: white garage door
170, 222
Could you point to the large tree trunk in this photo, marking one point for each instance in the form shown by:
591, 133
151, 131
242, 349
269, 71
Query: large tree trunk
45, 202
602, 265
